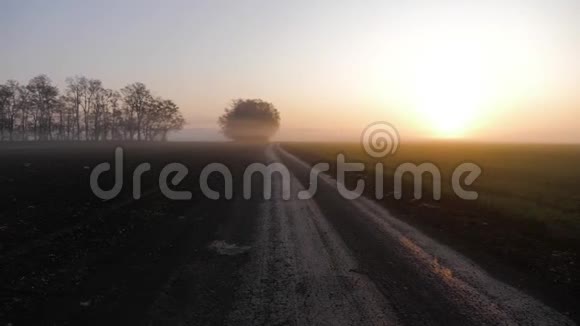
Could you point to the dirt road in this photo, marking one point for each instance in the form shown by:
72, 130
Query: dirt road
331, 261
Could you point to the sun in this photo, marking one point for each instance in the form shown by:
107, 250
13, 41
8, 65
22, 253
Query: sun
449, 90
448, 102
453, 81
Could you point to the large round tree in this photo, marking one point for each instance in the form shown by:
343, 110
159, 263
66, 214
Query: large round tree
250, 120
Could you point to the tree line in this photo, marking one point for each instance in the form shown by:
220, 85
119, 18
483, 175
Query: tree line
85, 110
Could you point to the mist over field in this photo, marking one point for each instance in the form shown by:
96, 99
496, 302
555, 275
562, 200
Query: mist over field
289, 163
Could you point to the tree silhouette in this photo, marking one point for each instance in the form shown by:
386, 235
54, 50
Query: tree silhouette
250, 120
43, 101
85, 111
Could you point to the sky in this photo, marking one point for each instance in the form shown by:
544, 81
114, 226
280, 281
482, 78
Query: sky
490, 70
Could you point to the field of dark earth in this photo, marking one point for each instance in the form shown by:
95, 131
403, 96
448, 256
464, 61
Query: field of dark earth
68, 257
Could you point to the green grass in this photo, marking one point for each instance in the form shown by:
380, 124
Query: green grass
524, 226
540, 182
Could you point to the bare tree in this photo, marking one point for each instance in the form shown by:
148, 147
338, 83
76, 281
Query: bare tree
165, 117
5, 96
24, 108
117, 120
59, 113
100, 109
43, 100
90, 89
10, 101
108, 122
74, 92
138, 101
